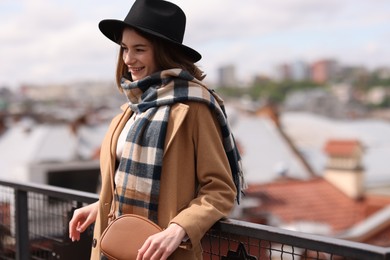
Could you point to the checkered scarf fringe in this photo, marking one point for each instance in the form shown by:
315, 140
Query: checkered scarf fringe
139, 172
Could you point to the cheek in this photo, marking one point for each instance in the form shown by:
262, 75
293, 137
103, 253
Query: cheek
152, 61
153, 64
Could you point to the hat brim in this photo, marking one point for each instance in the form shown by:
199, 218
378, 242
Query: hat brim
113, 29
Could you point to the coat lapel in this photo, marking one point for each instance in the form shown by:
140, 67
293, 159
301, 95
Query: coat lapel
176, 118
117, 127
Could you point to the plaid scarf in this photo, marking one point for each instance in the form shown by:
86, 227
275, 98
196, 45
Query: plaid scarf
139, 171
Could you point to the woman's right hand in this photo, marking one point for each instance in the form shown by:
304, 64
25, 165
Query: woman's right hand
82, 218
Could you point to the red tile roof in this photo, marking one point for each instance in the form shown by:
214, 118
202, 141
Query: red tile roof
315, 200
342, 147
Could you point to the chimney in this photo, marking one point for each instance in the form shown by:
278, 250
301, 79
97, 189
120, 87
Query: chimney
344, 167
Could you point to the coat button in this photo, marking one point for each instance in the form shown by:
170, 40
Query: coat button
94, 243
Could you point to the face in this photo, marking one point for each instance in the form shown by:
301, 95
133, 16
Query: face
138, 54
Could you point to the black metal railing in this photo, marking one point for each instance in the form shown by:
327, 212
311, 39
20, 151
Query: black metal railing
34, 222
34, 225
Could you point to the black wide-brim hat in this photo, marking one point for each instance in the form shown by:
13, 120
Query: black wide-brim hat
155, 17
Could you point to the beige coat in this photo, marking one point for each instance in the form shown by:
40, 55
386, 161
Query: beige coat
196, 184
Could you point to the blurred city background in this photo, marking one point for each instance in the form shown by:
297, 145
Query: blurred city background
306, 84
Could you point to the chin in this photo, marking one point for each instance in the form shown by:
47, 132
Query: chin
138, 76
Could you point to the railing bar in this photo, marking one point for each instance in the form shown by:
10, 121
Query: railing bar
54, 191
219, 244
67, 209
211, 245
304, 240
281, 251
34, 213
228, 241
270, 249
248, 245
35, 200
293, 252
21, 229
33, 204
259, 247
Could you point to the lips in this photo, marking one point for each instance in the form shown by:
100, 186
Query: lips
136, 69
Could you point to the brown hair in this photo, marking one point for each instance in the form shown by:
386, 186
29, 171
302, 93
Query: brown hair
166, 57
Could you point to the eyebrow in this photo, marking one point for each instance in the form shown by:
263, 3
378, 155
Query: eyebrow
135, 46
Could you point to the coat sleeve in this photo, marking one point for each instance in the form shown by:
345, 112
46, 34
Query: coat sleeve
216, 190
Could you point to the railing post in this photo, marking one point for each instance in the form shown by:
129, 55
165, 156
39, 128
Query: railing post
21, 228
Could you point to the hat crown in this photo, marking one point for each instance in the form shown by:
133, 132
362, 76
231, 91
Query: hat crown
159, 16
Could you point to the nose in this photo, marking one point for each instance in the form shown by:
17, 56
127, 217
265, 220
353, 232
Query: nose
128, 57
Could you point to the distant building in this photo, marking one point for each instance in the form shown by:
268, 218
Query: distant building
227, 76
377, 95
45, 93
323, 71
343, 92
322, 102
383, 72
299, 71
283, 72
355, 75
317, 101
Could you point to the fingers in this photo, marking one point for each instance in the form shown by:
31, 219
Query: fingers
142, 251
83, 225
82, 218
159, 246
74, 230
76, 225
152, 252
74, 234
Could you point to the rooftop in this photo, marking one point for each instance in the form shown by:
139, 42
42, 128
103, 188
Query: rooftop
316, 201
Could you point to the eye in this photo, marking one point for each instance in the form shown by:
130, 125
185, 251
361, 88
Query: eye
124, 48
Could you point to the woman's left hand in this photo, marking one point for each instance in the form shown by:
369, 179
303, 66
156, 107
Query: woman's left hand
161, 245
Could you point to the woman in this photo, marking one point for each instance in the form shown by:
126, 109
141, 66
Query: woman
170, 154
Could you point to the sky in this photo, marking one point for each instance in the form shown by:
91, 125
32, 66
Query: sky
58, 41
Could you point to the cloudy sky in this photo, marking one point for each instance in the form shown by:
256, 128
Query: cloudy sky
58, 41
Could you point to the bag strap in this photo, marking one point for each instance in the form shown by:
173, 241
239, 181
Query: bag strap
111, 215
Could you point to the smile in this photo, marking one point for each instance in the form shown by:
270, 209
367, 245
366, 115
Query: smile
136, 69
